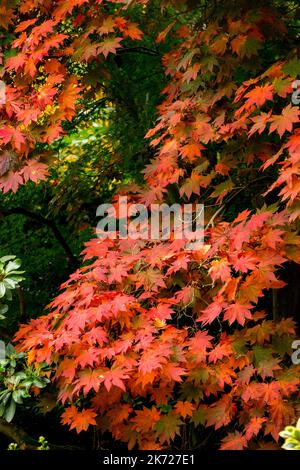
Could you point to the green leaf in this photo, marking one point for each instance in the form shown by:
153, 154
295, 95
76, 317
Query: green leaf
4, 259
16, 277
13, 265
9, 283
261, 354
8, 294
292, 68
3, 309
40, 383
2, 290
10, 350
17, 396
10, 411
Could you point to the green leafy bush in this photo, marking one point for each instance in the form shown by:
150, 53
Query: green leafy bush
291, 434
10, 277
43, 445
17, 380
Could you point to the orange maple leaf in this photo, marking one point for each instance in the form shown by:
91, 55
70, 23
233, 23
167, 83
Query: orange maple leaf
79, 420
234, 441
237, 312
110, 46
191, 151
184, 408
259, 95
254, 426
284, 121
11, 182
34, 171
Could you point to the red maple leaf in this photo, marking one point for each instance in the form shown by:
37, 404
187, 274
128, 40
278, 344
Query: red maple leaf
110, 45
89, 379
220, 414
115, 376
133, 31
16, 62
11, 182
145, 419
259, 95
245, 375
13, 135
284, 121
34, 171
163, 34
199, 344
212, 311
184, 408
79, 420
220, 351
234, 441
220, 269
191, 151
88, 357
173, 372
237, 312
253, 427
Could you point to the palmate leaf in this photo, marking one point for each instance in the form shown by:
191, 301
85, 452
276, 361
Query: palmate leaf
79, 420
292, 67
285, 121
234, 441
168, 426
11, 181
110, 45
184, 408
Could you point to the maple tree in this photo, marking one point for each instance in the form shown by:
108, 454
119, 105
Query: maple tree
148, 340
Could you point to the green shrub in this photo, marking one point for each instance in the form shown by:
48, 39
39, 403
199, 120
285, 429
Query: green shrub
291, 434
10, 277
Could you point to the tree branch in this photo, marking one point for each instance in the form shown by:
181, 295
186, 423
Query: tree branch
15, 434
139, 50
49, 223
21, 301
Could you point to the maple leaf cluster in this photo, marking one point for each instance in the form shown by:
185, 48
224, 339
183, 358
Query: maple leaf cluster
150, 340
42, 89
114, 335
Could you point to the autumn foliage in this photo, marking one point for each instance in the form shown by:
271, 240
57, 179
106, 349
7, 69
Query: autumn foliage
149, 341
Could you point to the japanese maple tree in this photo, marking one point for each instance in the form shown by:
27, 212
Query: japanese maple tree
150, 341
